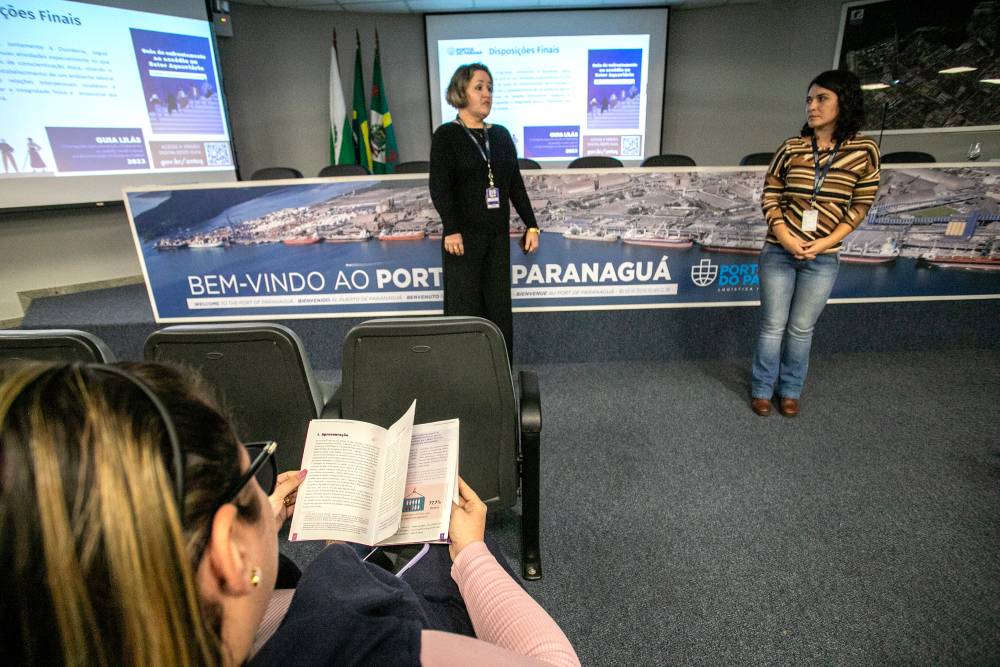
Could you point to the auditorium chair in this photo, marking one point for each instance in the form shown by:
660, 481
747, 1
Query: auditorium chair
413, 167
668, 160
454, 367
342, 170
275, 173
756, 159
595, 162
904, 157
53, 345
261, 373
527, 163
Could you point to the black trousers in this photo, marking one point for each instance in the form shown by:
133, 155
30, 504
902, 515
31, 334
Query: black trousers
478, 283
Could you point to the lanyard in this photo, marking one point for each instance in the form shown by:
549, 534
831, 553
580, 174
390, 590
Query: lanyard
820, 174
485, 154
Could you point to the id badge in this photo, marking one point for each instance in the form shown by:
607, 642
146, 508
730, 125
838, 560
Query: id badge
492, 197
809, 219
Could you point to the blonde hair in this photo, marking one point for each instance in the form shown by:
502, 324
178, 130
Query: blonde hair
97, 565
460, 81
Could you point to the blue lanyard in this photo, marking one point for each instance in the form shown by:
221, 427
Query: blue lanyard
485, 154
820, 174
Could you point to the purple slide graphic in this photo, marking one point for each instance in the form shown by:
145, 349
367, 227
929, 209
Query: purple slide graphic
98, 148
178, 81
562, 141
613, 90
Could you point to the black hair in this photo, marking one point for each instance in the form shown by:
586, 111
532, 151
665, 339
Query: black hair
850, 103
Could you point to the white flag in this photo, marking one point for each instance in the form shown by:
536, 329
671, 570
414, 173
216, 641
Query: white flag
338, 115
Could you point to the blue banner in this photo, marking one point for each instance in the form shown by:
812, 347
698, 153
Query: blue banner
625, 238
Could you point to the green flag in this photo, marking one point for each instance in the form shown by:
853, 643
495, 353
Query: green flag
341, 141
385, 154
359, 115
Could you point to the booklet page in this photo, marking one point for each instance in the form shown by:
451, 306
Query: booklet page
431, 484
343, 458
389, 490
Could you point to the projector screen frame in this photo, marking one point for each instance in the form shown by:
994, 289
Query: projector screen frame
170, 8
663, 84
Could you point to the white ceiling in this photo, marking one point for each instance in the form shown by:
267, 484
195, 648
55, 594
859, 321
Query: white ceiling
432, 6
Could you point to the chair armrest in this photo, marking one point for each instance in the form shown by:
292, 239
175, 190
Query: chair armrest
331, 409
530, 471
531, 403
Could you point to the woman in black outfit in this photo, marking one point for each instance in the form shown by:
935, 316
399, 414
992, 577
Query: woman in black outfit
474, 179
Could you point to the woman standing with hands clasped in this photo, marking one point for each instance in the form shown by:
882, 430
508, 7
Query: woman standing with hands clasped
818, 189
474, 178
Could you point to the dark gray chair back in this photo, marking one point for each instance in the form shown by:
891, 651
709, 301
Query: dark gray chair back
275, 173
904, 157
527, 163
455, 367
756, 159
668, 160
53, 345
414, 167
595, 162
342, 170
260, 372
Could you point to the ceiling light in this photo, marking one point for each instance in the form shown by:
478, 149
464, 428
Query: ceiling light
995, 82
957, 70
878, 85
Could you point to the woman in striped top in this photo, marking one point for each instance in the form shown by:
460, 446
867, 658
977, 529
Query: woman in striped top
818, 189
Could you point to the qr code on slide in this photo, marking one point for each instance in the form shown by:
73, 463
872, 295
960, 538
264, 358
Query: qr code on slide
217, 154
631, 145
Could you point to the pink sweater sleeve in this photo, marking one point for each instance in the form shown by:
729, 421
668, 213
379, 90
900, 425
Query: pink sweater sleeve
512, 628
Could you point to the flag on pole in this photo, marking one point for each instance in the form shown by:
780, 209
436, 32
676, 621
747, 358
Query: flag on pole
341, 151
385, 154
359, 115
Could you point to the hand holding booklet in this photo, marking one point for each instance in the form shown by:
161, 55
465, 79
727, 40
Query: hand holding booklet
377, 486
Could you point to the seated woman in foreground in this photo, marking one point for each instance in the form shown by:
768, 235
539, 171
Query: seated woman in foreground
134, 531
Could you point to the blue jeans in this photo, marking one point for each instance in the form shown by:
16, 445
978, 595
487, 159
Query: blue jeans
792, 295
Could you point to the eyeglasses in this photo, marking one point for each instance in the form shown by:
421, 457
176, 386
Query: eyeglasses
260, 453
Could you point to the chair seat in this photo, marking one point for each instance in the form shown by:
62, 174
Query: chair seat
907, 157
261, 372
275, 173
53, 345
595, 162
668, 160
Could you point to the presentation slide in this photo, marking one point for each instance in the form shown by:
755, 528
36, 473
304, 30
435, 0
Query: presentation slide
94, 98
561, 97
566, 84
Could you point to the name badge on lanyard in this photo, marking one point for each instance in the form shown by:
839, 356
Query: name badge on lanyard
492, 192
810, 216
809, 219
492, 197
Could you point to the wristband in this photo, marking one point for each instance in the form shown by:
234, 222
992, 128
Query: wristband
533, 230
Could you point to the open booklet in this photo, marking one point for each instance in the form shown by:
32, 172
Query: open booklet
377, 486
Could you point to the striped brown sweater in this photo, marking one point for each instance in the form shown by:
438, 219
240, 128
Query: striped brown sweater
846, 195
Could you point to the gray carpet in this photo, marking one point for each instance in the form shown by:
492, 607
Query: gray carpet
681, 529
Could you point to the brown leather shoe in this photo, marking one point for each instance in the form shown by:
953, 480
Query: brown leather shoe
789, 407
761, 406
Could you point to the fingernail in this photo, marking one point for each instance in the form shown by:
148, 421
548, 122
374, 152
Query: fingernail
302, 473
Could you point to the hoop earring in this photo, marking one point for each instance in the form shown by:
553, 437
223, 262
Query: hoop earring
255, 577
